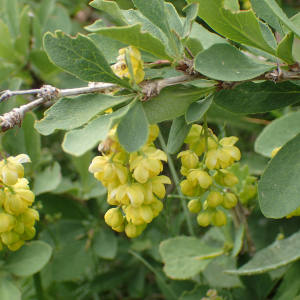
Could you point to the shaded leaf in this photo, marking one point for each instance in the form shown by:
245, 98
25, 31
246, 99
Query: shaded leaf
77, 142
81, 57
285, 49
29, 259
173, 101
84, 107
238, 241
225, 62
8, 291
179, 131
48, 180
251, 98
133, 35
133, 129
278, 189
279, 254
284, 128
105, 244
185, 257
242, 27
197, 109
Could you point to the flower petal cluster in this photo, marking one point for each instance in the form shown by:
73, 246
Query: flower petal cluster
133, 185
121, 68
200, 178
17, 219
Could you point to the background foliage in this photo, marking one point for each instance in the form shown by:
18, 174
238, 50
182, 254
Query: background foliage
76, 255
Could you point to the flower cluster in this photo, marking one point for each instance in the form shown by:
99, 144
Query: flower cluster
17, 219
209, 176
133, 183
121, 68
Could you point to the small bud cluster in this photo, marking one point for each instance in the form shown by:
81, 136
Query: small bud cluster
217, 156
133, 183
16, 218
121, 69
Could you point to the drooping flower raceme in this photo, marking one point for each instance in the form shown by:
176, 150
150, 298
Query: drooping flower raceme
208, 175
17, 219
133, 184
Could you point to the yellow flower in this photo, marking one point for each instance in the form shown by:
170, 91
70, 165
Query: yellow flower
29, 216
19, 198
10, 237
189, 159
225, 178
189, 189
133, 194
17, 245
134, 231
214, 199
156, 206
11, 169
105, 169
200, 176
153, 133
225, 156
196, 139
147, 165
113, 217
121, 69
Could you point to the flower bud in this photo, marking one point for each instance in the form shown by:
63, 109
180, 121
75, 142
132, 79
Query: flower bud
113, 217
188, 189
132, 230
10, 237
219, 218
17, 245
147, 213
19, 226
194, 206
156, 205
153, 133
214, 199
229, 201
28, 234
189, 159
121, 227
4, 223
204, 218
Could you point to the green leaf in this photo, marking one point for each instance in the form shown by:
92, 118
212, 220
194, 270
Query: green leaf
155, 11
279, 254
6, 47
197, 109
47, 180
8, 291
215, 276
110, 7
225, 62
22, 41
185, 257
242, 27
133, 35
233, 5
59, 19
84, 107
191, 15
11, 17
252, 98
206, 37
81, 57
284, 128
263, 11
133, 130
278, 188
238, 241
71, 261
178, 133
290, 285
105, 244
40, 60
274, 11
285, 49
173, 101
77, 142
32, 137
29, 259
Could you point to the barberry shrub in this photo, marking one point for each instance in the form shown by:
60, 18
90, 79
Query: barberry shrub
118, 204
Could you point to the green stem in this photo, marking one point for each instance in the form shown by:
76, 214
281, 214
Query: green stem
179, 196
3, 155
39, 292
177, 184
159, 277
